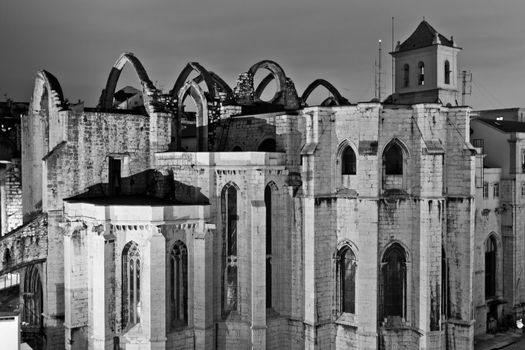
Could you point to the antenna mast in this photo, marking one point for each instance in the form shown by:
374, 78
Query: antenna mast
379, 73
466, 89
393, 74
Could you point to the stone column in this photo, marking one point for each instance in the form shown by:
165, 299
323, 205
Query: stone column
157, 292
97, 286
203, 287
310, 314
258, 260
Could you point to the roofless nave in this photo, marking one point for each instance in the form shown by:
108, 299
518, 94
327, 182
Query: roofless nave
253, 224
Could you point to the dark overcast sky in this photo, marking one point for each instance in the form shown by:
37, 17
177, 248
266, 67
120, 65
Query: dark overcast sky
78, 41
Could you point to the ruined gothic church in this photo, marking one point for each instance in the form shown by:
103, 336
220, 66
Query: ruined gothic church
252, 224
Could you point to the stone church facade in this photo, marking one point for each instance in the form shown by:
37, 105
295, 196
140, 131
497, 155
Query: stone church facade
257, 224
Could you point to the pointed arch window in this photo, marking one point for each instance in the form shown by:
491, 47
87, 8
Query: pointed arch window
406, 75
490, 267
178, 299
447, 72
230, 220
32, 294
393, 282
347, 266
131, 275
268, 204
348, 161
393, 159
445, 290
421, 73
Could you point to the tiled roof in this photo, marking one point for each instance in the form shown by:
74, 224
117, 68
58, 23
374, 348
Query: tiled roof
423, 36
504, 125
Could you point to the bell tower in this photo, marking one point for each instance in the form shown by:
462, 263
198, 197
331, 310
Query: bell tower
426, 68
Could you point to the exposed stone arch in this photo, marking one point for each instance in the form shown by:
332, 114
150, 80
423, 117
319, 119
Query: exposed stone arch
276, 73
206, 76
218, 83
106, 99
337, 97
193, 90
47, 87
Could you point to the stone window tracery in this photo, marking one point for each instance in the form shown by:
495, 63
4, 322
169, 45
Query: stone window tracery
32, 295
347, 267
230, 220
131, 276
178, 279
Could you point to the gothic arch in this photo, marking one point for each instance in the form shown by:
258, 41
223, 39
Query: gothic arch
401, 144
47, 86
228, 185
346, 143
106, 100
398, 243
346, 243
201, 123
337, 97
206, 76
218, 82
276, 72
272, 185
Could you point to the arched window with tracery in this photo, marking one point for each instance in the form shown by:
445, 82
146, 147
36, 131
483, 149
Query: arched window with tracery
230, 220
32, 294
178, 282
421, 73
406, 75
393, 282
130, 285
447, 72
490, 267
347, 266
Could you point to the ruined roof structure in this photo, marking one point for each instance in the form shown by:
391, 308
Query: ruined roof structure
252, 223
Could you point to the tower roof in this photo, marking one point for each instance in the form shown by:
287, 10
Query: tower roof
424, 36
